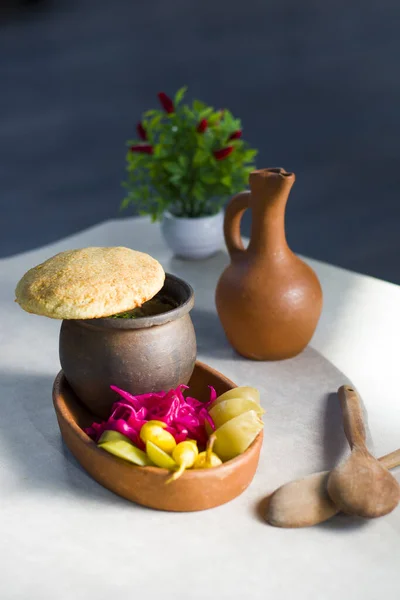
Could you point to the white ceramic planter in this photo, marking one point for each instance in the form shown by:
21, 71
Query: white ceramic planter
193, 238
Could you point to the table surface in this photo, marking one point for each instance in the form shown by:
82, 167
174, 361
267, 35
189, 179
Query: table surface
66, 537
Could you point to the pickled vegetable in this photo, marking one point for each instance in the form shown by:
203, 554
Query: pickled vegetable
112, 436
236, 435
191, 442
208, 458
184, 455
124, 449
161, 424
202, 462
154, 431
228, 409
246, 392
182, 415
159, 457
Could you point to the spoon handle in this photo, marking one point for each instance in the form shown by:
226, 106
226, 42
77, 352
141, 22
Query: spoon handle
391, 460
353, 421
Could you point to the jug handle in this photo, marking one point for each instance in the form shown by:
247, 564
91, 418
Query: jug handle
233, 216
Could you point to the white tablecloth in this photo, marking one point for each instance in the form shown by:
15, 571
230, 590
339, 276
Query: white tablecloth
64, 537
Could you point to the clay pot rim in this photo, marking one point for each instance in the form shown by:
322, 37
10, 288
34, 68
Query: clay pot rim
145, 322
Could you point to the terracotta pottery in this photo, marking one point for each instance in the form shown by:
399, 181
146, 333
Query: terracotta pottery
139, 355
195, 490
268, 300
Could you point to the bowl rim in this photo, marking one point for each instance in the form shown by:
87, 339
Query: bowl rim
227, 466
151, 321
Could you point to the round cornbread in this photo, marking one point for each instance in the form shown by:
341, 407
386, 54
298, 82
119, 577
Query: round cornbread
90, 283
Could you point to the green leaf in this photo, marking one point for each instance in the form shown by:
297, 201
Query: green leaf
214, 118
204, 114
226, 180
183, 161
209, 178
184, 187
179, 95
153, 122
125, 203
198, 191
247, 171
176, 179
145, 193
235, 124
249, 155
159, 151
188, 113
198, 106
228, 118
172, 168
200, 157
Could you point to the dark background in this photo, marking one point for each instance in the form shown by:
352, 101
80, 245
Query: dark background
317, 85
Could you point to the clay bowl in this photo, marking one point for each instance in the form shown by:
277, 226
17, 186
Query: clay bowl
141, 355
195, 490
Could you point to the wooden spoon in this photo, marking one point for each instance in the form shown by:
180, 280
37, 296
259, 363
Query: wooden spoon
306, 502
360, 485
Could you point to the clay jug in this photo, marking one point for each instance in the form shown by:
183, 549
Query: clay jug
268, 300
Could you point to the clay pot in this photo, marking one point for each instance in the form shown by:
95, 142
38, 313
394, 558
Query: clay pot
268, 300
139, 355
195, 490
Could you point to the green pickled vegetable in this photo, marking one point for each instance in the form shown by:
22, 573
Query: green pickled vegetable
127, 451
159, 457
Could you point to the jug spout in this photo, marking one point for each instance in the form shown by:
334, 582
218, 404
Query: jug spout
270, 190
275, 176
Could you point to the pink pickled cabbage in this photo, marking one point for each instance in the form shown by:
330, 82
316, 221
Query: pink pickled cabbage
184, 417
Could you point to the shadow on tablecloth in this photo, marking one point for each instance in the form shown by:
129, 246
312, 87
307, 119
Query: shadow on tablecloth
33, 453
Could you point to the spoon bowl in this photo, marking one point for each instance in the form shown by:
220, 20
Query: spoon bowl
301, 503
306, 502
360, 485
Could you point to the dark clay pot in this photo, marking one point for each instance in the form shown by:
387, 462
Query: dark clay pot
141, 355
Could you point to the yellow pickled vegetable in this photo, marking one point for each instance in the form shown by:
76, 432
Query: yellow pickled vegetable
192, 442
246, 391
208, 458
236, 435
228, 409
184, 455
154, 431
155, 422
202, 462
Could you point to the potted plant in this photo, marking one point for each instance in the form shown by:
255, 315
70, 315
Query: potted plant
183, 165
